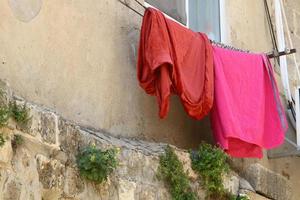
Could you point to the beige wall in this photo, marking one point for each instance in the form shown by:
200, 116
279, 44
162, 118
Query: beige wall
247, 28
78, 57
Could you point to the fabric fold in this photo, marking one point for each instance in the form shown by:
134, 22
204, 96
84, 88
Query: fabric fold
247, 115
175, 60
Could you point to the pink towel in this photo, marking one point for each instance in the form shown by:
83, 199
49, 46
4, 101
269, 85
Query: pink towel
247, 114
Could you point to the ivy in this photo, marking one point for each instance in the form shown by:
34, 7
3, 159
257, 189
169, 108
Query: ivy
210, 163
96, 165
171, 171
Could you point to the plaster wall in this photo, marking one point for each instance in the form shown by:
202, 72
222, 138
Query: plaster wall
78, 58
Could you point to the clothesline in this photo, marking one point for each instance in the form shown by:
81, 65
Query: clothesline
207, 78
272, 54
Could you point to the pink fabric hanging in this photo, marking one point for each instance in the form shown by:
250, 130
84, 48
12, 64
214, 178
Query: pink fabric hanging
247, 114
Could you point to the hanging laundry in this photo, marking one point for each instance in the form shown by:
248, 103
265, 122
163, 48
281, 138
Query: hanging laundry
175, 60
247, 115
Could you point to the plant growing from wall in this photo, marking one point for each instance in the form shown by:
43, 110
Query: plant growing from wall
17, 141
4, 115
19, 113
210, 163
2, 140
242, 197
171, 171
96, 165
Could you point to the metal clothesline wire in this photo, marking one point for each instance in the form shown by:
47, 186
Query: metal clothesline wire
226, 46
126, 4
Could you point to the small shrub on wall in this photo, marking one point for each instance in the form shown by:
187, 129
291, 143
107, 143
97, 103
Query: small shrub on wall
96, 165
17, 141
171, 171
19, 113
210, 163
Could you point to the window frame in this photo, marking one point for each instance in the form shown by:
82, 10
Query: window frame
147, 5
221, 16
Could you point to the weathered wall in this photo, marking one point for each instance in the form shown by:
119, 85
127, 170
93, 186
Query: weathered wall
288, 166
43, 166
78, 57
251, 32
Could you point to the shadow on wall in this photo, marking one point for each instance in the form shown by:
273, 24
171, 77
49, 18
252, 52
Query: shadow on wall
97, 66
194, 131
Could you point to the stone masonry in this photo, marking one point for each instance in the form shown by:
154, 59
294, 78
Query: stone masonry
43, 167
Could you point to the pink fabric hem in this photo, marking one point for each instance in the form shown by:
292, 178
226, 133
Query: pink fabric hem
247, 115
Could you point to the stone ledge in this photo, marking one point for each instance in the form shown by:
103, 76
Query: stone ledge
268, 183
51, 144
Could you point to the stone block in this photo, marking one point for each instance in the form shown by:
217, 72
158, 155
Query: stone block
268, 183
131, 166
5, 93
51, 173
231, 183
245, 185
6, 153
49, 127
12, 190
126, 190
72, 139
163, 194
69, 139
74, 185
145, 192
33, 126
253, 195
107, 190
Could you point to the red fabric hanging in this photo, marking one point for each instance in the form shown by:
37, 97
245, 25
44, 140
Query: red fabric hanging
175, 60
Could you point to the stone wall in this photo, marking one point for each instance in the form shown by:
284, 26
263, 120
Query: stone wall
43, 167
79, 58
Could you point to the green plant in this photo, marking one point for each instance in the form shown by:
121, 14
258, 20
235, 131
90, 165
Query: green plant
171, 171
19, 113
2, 140
96, 165
210, 163
242, 197
4, 115
17, 141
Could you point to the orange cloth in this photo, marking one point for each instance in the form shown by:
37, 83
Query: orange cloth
175, 60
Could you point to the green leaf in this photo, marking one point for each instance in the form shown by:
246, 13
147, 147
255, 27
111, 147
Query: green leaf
96, 165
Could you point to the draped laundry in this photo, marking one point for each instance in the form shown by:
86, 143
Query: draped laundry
175, 60
247, 115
